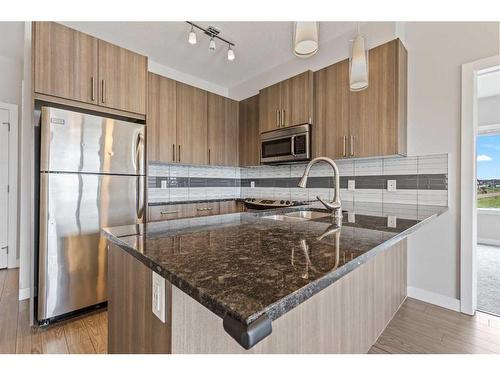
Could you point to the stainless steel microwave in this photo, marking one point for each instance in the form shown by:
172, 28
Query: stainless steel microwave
286, 145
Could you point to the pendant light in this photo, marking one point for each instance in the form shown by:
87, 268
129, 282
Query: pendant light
192, 36
305, 39
211, 45
358, 64
230, 53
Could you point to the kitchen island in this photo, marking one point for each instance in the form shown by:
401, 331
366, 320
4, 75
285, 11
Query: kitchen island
277, 281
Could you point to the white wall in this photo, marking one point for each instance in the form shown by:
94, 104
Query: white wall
435, 54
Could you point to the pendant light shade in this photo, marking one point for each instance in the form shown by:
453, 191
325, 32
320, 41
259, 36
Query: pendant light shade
192, 36
305, 39
358, 67
211, 45
230, 53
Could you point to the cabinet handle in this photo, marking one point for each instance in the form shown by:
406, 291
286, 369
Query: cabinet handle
352, 145
168, 212
173, 152
179, 155
344, 147
283, 119
92, 93
208, 156
277, 118
204, 209
103, 91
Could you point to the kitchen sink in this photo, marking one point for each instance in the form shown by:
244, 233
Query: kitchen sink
298, 216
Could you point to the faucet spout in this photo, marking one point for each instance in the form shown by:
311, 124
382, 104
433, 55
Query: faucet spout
335, 205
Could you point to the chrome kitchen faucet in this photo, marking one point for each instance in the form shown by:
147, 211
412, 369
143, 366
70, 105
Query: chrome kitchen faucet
335, 206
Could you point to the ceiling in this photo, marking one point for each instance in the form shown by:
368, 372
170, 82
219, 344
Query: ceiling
488, 84
260, 46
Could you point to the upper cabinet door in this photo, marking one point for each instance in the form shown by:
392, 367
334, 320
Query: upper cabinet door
65, 62
249, 132
161, 119
216, 129
122, 78
377, 115
269, 108
191, 125
331, 127
297, 100
231, 139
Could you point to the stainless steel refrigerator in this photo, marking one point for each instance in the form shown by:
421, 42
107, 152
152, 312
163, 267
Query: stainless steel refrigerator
92, 175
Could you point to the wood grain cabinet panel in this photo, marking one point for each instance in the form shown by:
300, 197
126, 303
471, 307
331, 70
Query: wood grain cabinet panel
331, 129
207, 208
172, 211
249, 135
377, 115
297, 97
269, 107
191, 125
216, 129
231, 207
122, 78
65, 62
231, 133
162, 128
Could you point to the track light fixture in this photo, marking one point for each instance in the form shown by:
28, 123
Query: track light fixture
212, 33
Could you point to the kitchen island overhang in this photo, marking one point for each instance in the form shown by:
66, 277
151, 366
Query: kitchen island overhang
218, 262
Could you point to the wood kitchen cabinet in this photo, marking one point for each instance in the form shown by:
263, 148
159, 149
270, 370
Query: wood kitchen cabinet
122, 78
222, 130
249, 135
191, 104
364, 123
65, 62
73, 66
377, 115
162, 127
187, 210
231, 207
330, 132
287, 103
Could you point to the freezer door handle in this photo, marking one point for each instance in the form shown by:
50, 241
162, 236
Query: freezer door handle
139, 154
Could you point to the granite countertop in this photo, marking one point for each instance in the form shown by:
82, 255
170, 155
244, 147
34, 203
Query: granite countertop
246, 268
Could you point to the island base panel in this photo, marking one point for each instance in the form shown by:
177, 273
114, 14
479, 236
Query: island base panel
346, 317
132, 326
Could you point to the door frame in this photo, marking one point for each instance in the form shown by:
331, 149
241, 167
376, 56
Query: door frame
12, 261
468, 207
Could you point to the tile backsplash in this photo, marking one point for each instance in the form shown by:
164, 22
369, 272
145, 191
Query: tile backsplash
419, 179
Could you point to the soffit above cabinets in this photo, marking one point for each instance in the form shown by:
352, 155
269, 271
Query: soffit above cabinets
260, 46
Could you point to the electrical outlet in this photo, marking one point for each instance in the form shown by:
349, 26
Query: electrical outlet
158, 297
391, 185
391, 221
351, 217
164, 184
252, 184
351, 185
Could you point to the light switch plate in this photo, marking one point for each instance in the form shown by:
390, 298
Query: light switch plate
351, 185
391, 185
158, 297
391, 221
351, 217
252, 184
164, 184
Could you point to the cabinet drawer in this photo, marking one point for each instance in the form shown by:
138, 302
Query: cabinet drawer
171, 212
230, 207
207, 209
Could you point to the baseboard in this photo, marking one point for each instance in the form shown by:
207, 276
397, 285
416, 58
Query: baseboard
488, 241
434, 298
24, 293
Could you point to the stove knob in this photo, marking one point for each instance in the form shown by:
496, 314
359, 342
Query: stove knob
287, 202
281, 202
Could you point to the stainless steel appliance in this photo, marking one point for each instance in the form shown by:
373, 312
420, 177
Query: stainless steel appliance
92, 175
266, 204
286, 145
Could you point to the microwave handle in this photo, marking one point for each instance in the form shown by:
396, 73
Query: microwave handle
293, 146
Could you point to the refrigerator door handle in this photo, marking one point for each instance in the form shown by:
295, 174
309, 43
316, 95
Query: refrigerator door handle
139, 154
42, 250
140, 199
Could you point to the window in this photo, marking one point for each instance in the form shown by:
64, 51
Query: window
488, 170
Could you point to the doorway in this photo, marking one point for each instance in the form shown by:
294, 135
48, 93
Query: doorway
8, 185
478, 150
488, 190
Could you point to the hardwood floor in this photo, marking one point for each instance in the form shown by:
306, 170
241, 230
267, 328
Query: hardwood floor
417, 327
87, 334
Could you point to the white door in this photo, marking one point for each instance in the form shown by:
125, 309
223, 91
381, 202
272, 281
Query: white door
4, 183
